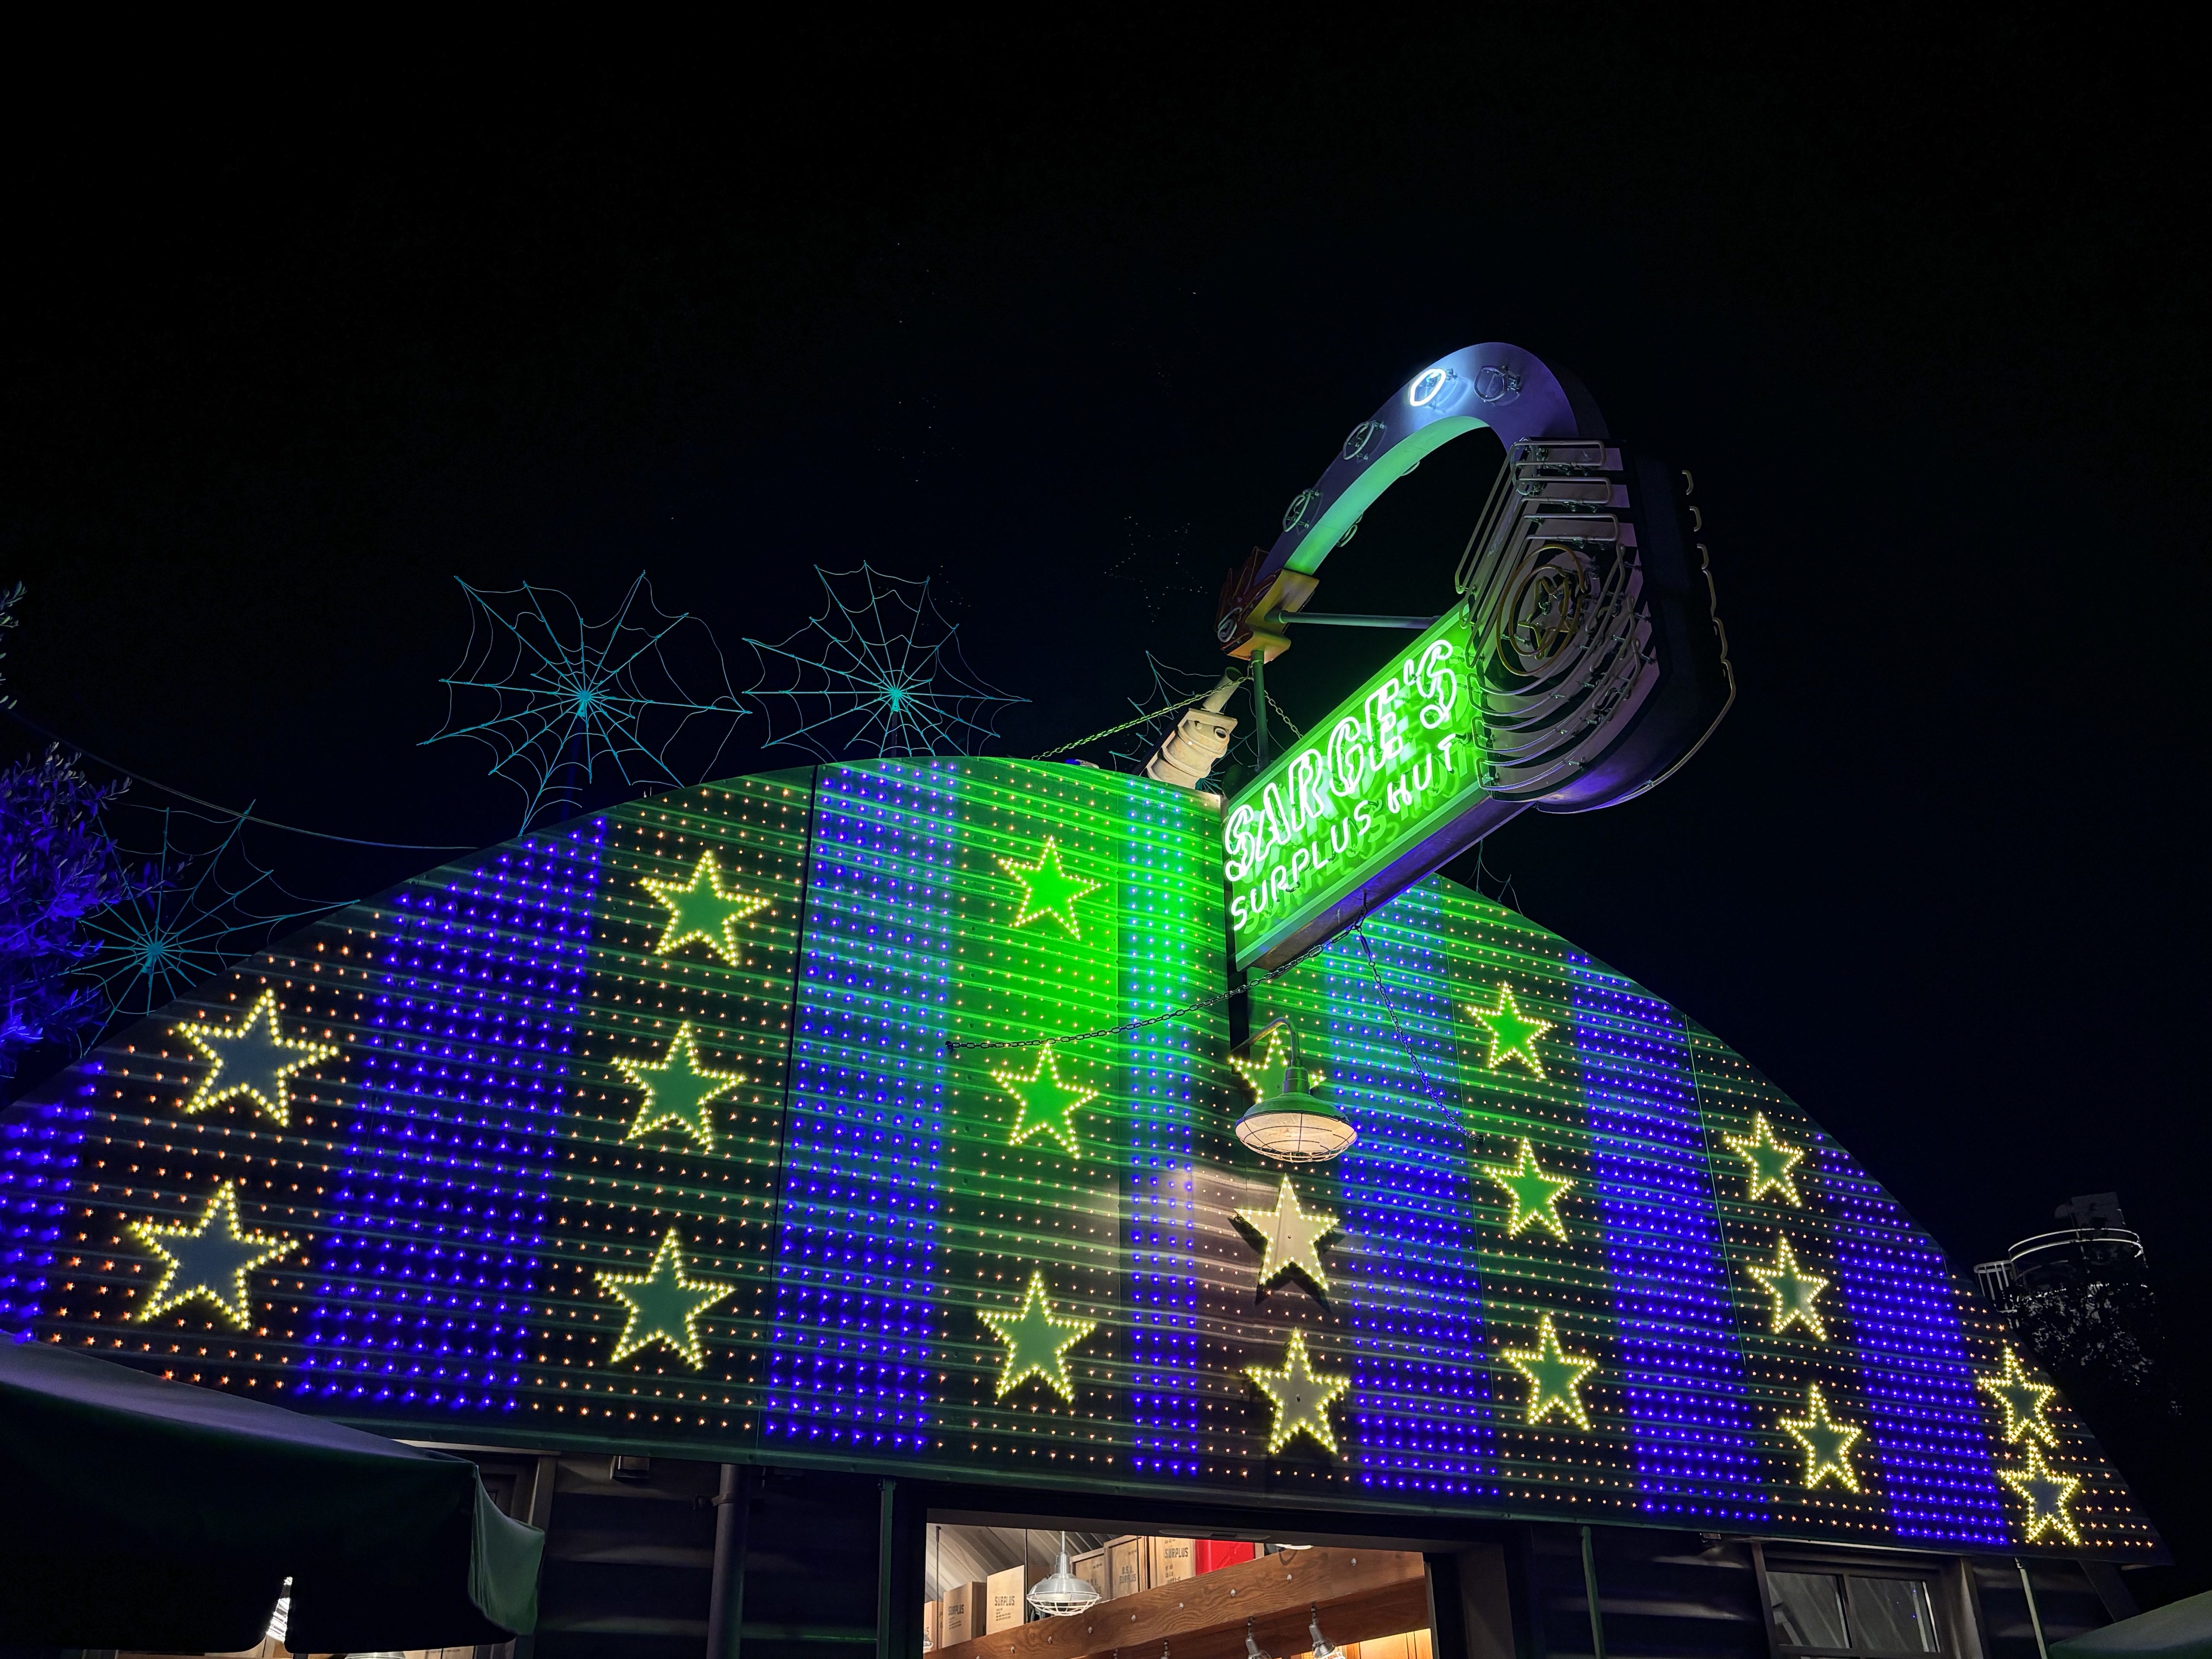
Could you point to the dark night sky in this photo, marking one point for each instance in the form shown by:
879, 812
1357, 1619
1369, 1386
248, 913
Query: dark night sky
1906, 296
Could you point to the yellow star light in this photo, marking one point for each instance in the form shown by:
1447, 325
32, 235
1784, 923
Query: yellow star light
1037, 1340
1555, 1376
1770, 1160
1534, 1193
1796, 1294
1266, 1072
2045, 1492
2023, 1399
1048, 1101
1512, 1034
703, 909
210, 1259
1827, 1443
1047, 890
1301, 1397
1292, 1239
254, 1058
678, 1090
664, 1305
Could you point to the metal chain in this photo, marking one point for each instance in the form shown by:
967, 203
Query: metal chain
1196, 696
1297, 730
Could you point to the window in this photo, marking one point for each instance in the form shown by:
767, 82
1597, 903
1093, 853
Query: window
1852, 1613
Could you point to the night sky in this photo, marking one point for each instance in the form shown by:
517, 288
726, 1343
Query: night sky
1064, 323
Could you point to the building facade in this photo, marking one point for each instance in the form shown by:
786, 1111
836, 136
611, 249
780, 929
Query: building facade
757, 1177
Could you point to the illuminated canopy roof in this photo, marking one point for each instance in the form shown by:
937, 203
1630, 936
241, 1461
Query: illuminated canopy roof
882, 1114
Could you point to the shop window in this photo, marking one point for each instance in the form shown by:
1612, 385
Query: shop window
1852, 1613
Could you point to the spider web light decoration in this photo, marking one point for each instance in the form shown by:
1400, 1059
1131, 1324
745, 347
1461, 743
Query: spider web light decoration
196, 905
878, 672
563, 703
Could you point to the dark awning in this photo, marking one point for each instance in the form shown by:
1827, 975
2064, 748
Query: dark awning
2179, 1629
143, 1514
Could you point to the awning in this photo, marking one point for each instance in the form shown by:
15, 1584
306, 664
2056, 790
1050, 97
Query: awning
143, 1513
2179, 1629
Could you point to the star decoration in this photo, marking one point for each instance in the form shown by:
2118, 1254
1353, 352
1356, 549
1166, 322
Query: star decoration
1512, 1034
1048, 1101
1037, 1340
1827, 1443
1047, 890
703, 909
1771, 1161
209, 1260
678, 1090
1796, 1293
2045, 1492
2023, 1399
1301, 1397
1268, 1073
254, 1058
1534, 1193
664, 1305
1555, 1376
1291, 1238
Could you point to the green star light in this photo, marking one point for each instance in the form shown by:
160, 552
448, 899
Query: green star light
1555, 1376
1037, 1340
1047, 890
1048, 1101
664, 1305
1770, 1160
1827, 1443
701, 909
254, 1058
1534, 1193
1301, 1397
2023, 1399
209, 1260
678, 1090
1291, 1239
2045, 1492
1796, 1293
1512, 1034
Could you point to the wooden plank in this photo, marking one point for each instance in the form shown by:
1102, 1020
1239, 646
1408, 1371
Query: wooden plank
1361, 1593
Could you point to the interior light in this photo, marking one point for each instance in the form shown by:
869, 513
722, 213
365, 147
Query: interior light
1322, 1648
1061, 1595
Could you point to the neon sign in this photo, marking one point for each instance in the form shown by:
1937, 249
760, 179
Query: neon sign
1394, 762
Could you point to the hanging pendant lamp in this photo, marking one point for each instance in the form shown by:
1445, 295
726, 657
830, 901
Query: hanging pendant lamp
1286, 1120
1061, 1595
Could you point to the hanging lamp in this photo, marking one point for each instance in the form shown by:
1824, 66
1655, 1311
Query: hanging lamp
1060, 1594
1322, 1647
1286, 1120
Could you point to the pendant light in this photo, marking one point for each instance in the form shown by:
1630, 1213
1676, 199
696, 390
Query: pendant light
1322, 1647
1286, 1120
1252, 1649
1062, 1595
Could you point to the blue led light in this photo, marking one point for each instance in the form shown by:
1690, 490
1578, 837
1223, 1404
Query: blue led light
849, 1358
429, 1250
1681, 1373
1928, 1420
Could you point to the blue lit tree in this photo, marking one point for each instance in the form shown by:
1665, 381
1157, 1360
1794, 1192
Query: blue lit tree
59, 869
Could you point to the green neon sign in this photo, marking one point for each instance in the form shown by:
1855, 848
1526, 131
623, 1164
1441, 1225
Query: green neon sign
1375, 781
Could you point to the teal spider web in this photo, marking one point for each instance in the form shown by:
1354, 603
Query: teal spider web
880, 671
566, 706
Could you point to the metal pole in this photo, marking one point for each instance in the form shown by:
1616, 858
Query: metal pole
1260, 705
1590, 1590
2034, 1618
726, 1606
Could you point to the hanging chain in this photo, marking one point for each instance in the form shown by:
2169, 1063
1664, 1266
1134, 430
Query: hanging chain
1195, 696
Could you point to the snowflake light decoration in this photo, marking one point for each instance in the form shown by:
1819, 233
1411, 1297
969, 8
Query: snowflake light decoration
197, 905
563, 703
878, 672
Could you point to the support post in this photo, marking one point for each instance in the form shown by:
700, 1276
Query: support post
1259, 706
725, 1607
898, 1573
2034, 1616
1590, 1590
